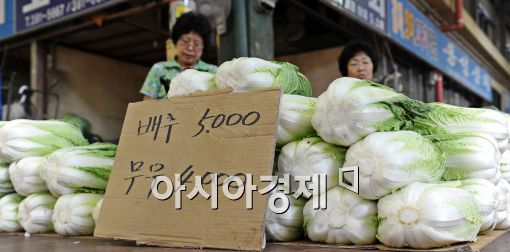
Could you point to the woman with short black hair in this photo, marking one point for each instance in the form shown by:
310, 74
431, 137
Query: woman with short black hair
358, 60
190, 35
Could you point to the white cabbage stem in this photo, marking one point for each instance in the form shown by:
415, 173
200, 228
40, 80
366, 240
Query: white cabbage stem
388, 161
311, 156
425, 216
469, 155
503, 205
190, 81
5, 180
351, 109
505, 166
35, 213
445, 119
79, 169
348, 219
294, 118
9, 213
72, 215
486, 195
245, 74
25, 176
25, 138
287, 226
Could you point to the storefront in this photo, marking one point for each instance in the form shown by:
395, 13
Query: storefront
39, 41
91, 57
413, 48
253, 160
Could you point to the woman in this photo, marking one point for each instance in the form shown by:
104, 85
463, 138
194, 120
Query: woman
190, 34
358, 60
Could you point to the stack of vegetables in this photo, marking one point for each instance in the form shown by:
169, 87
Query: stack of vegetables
51, 178
430, 175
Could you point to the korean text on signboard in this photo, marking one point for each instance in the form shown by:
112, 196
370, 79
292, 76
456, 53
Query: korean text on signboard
372, 12
410, 28
33, 13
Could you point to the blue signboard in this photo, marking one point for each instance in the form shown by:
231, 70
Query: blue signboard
34, 13
372, 12
411, 29
6, 18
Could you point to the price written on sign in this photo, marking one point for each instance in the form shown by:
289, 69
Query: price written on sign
209, 121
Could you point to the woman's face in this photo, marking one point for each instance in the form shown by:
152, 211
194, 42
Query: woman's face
189, 49
360, 66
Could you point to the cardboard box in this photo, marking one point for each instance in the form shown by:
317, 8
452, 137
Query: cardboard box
481, 242
213, 133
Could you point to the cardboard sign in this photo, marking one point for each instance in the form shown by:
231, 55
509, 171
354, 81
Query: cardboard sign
222, 135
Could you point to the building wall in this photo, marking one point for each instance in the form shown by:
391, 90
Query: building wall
483, 47
96, 88
320, 67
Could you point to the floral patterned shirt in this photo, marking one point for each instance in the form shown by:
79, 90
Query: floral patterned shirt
158, 79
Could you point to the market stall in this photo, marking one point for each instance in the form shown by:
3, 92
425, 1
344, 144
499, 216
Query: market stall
245, 159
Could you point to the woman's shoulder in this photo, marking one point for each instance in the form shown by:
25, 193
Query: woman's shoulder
206, 67
166, 64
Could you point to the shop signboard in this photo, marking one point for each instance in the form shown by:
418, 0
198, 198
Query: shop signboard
411, 29
372, 12
37, 13
6, 18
